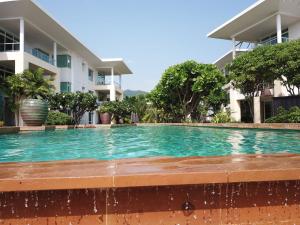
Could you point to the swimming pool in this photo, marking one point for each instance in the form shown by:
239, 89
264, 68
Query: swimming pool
144, 141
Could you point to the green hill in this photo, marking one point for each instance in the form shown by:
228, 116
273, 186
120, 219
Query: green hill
131, 93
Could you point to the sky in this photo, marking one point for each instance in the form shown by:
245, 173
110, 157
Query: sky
150, 35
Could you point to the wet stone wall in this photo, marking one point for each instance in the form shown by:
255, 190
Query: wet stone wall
239, 203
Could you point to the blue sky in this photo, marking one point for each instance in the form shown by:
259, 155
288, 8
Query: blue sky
150, 35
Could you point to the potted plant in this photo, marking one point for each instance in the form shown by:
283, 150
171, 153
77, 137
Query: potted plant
105, 113
114, 112
1, 123
29, 92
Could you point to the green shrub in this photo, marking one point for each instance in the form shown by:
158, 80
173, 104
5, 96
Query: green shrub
117, 109
58, 118
286, 116
1, 123
221, 117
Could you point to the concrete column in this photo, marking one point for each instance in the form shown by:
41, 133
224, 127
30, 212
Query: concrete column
277, 83
234, 48
19, 63
279, 29
54, 53
235, 107
120, 81
256, 110
277, 89
112, 91
22, 35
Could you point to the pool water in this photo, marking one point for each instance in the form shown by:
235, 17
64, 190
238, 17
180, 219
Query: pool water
144, 141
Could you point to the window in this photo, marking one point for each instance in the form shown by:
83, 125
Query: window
91, 117
8, 41
64, 61
65, 87
83, 66
91, 75
100, 80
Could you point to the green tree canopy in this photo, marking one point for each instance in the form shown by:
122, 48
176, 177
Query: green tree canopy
183, 86
251, 72
29, 84
75, 103
287, 65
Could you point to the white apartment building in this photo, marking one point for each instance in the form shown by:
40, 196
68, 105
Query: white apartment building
264, 22
31, 38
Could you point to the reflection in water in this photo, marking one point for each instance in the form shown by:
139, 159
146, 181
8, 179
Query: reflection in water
236, 138
259, 136
137, 142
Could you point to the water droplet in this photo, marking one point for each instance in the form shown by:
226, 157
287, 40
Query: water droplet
26, 202
95, 203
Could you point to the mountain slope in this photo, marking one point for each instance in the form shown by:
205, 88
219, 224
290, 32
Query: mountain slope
131, 93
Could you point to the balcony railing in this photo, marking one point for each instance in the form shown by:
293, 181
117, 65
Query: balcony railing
9, 47
101, 81
40, 55
273, 41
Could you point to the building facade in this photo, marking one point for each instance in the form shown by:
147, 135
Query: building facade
31, 39
266, 22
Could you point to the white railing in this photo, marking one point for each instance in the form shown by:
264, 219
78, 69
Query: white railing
101, 81
273, 41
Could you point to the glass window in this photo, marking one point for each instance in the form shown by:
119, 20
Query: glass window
91, 75
65, 87
8, 41
100, 79
64, 61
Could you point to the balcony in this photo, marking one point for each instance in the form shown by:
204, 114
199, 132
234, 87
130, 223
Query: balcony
100, 81
40, 55
273, 41
9, 47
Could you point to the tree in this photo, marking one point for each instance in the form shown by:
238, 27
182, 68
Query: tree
117, 109
183, 86
29, 84
77, 104
250, 73
287, 65
138, 104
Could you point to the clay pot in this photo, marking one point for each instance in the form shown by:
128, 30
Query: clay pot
105, 118
34, 112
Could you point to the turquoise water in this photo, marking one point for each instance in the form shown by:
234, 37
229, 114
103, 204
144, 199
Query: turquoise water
136, 142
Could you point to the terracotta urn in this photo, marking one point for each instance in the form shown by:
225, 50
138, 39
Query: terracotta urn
34, 112
105, 118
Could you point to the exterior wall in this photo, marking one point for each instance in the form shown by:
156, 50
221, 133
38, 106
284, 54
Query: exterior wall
235, 107
294, 31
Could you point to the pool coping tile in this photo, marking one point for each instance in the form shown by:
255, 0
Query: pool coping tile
89, 174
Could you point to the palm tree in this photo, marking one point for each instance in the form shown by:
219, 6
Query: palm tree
29, 84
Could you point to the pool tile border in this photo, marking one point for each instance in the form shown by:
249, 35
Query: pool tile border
268, 126
148, 172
